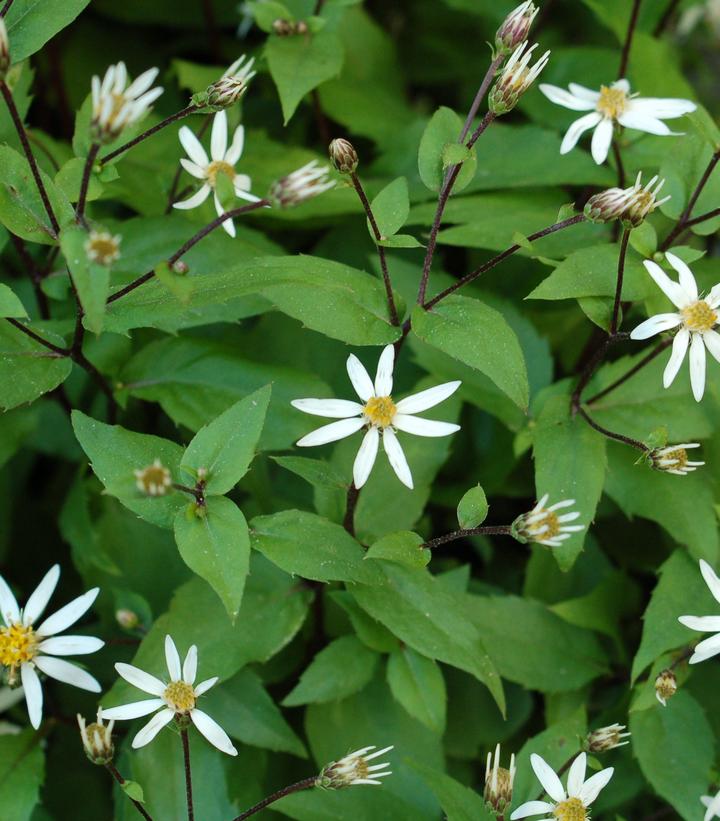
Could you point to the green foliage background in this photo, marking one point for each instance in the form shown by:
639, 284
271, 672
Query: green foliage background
321, 646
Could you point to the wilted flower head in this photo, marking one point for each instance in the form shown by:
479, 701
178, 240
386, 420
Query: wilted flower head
97, 739
674, 459
544, 526
665, 686
643, 200
304, 184
606, 738
102, 247
515, 79
343, 156
153, 480
608, 205
116, 107
515, 27
354, 769
4, 49
709, 647
498, 783
229, 88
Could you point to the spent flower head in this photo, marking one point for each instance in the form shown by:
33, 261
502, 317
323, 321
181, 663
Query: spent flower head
116, 106
608, 205
515, 79
103, 247
707, 624
229, 88
153, 480
343, 156
544, 525
665, 686
498, 783
643, 200
516, 27
606, 738
307, 182
97, 739
354, 769
674, 459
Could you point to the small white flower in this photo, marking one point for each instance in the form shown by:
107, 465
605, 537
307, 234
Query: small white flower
613, 104
544, 526
665, 686
707, 624
567, 806
697, 318
153, 480
674, 459
223, 162
304, 184
499, 782
102, 247
632, 205
176, 698
354, 769
515, 78
116, 107
379, 414
712, 806
97, 739
241, 70
25, 648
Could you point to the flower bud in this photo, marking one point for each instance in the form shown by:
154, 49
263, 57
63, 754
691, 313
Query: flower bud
127, 619
304, 184
606, 738
515, 27
180, 267
665, 686
515, 79
102, 247
153, 480
283, 28
608, 205
674, 459
225, 92
97, 740
343, 156
4, 50
354, 769
498, 783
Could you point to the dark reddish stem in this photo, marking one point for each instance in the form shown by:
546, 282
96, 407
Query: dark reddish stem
684, 222
85, 184
305, 784
481, 92
618, 437
665, 19
178, 115
620, 277
624, 378
708, 215
632, 24
490, 530
188, 774
350, 505
112, 769
60, 352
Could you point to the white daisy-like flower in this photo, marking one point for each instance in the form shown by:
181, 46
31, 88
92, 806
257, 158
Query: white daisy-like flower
116, 107
307, 182
707, 624
572, 805
712, 806
544, 525
379, 414
222, 161
176, 698
354, 769
26, 648
696, 318
632, 205
613, 104
674, 459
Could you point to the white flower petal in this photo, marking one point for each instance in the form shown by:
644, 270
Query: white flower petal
141, 83
685, 276
331, 432
33, 693
584, 93
712, 343
601, 140
366, 456
706, 624
711, 579
577, 129
70, 645
641, 121
662, 107
396, 457
152, 728
193, 147
591, 788
8, 604
41, 596
198, 198
679, 349
622, 84
564, 98
204, 686
531, 808
384, 374
244, 195
697, 366
218, 137
713, 298
136, 709
672, 290
172, 659
423, 427
418, 402
332, 408
655, 325
235, 151
190, 665
192, 168
706, 649
67, 616
360, 378
140, 679
68, 673
547, 777
576, 776
212, 731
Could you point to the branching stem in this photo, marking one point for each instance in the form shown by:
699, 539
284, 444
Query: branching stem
112, 769
178, 115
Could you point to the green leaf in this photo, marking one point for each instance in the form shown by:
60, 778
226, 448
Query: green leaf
225, 447
91, 280
418, 684
28, 369
459, 802
69, 179
342, 668
438, 140
403, 547
214, 543
176, 283
115, 454
307, 545
401, 241
478, 336
473, 508
22, 772
10, 305
454, 153
31, 23
373, 634
314, 471
133, 790
391, 208
300, 63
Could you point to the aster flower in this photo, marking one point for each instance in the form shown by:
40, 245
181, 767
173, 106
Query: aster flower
498, 789
153, 480
606, 738
544, 526
379, 415
97, 739
223, 162
613, 105
102, 247
674, 459
566, 806
631, 205
26, 648
712, 806
707, 624
696, 318
176, 699
230, 87
515, 78
354, 769
665, 686
304, 184
115, 107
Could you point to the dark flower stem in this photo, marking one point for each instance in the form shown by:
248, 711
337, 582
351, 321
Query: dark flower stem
620, 277
591, 367
35, 275
618, 437
624, 378
112, 769
490, 530
59, 352
188, 773
619, 163
20, 128
353, 494
708, 215
625, 57
84, 185
481, 92
178, 115
665, 19
685, 221
551, 229
299, 786
381, 251
6, 7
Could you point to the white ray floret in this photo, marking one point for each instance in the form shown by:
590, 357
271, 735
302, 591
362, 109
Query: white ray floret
114, 106
176, 698
674, 459
222, 160
707, 624
613, 105
355, 769
380, 415
696, 319
712, 806
564, 805
28, 648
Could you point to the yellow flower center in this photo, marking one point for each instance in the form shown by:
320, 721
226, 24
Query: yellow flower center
699, 316
612, 102
546, 527
571, 810
102, 249
18, 645
180, 696
219, 167
679, 458
380, 411
154, 479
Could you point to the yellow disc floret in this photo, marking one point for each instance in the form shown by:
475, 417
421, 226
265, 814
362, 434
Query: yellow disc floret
180, 696
219, 167
699, 316
18, 645
380, 411
571, 810
546, 525
612, 102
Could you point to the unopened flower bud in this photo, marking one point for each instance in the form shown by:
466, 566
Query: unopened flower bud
343, 156
608, 205
102, 247
606, 738
665, 686
643, 201
674, 459
283, 28
97, 739
225, 92
498, 783
304, 184
354, 769
180, 267
127, 619
515, 27
4, 50
153, 480
515, 79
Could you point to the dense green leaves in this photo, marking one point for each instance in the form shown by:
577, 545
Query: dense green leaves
91, 280
10, 305
417, 683
27, 368
22, 771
